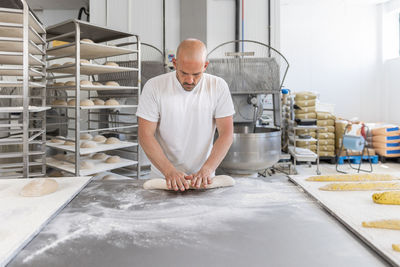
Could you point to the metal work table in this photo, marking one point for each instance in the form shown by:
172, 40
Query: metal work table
258, 222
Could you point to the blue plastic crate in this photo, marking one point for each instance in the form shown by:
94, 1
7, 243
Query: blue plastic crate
357, 159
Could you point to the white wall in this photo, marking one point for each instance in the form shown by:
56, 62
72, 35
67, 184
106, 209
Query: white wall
333, 48
53, 16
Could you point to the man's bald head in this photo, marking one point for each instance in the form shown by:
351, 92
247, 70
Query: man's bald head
191, 50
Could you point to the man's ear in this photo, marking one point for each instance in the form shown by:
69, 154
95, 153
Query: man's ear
205, 65
174, 62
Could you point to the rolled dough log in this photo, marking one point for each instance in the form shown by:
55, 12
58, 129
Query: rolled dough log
391, 198
113, 159
112, 140
352, 177
111, 102
99, 138
39, 187
384, 224
396, 247
218, 181
359, 186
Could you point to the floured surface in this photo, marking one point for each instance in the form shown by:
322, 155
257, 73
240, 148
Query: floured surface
23, 217
258, 221
354, 207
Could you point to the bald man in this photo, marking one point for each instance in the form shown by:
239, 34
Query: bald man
178, 113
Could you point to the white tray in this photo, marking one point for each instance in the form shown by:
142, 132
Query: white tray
89, 69
20, 109
352, 208
19, 84
99, 148
88, 50
100, 165
18, 71
16, 45
93, 87
22, 218
10, 15
15, 58
16, 31
97, 106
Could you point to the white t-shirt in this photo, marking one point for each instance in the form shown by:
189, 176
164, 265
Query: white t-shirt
186, 119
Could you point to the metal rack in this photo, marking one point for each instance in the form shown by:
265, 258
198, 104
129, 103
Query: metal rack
97, 119
22, 94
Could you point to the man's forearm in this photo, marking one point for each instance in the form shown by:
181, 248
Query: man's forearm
218, 152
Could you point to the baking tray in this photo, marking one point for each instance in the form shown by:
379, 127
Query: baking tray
20, 109
18, 71
15, 58
19, 84
97, 106
99, 148
90, 69
16, 31
100, 165
10, 15
93, 87
351, 208
16, 45
88, 50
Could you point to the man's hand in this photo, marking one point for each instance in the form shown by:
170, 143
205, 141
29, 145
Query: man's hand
176, 180
202, 178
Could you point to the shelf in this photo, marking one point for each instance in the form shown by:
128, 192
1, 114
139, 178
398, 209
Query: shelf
18, 71
90, 69
88, 31
93, 87
20, 84
16, 31
9, 15
16, 58
88, 50
20, 154
299, 156
16, 45
20, 109
302, 140
99, 148
98, 107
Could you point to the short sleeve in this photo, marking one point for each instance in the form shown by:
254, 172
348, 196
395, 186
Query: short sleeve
224, 103
148, 108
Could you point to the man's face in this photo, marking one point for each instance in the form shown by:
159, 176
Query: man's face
189, 72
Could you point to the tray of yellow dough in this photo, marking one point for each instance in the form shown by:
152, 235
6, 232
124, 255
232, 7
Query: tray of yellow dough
389, 198
357, 177
89, 69
366, 186
352, 208
97, 165
23, 217
99, 147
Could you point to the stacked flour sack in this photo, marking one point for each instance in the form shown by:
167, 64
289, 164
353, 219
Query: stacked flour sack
386, 141
326, 134
306, 102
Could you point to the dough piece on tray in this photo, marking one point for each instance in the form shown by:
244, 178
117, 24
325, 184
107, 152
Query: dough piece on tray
112, 83
97, 83
359, 186
100, 156
113, 159
85, 82
99, 138
69, 143
111, 102
110, 63
70, 83
86, 165
57, 140
59, 102
87, 40
59, 156
112, 140
86, 136
57, 84
85, 61
87, 102
384, 224
218, 181
390, 198
55, 65
72, 102
352, 177
396, 247
88, 144
98, 102
39, 187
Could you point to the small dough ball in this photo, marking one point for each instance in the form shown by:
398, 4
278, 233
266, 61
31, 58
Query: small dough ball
57, 84
97, 83
112, 140
68, 63
101, 156
110, 63
59, 157
69, 143
59, 102
86, 136
111, 102
87, 102
70, 83
39, 187
70, 158
85, 82
98, 102
88, 144
87, 41
57, 140
99, 138
85, 165
71, 102
113, 159
85, 61
55, 65
112, 83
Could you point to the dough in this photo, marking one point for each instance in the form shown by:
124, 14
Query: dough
70, 158
352, 177
56, 174
112, 140
87, 102
88, 144
384, 224
59, 102
98, 102
57, 140
70, 83
359, 186
396, 247
85, 61
97, 83
113, 159
69, 143
59, 157
55, 65
87, 41
58, 84
101, 156
111, 102
86, 136
112, 83
99, 138
218, 181
86, 165
391, 198
39, 187
71, 102
85, 82
68, 63
110, 63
